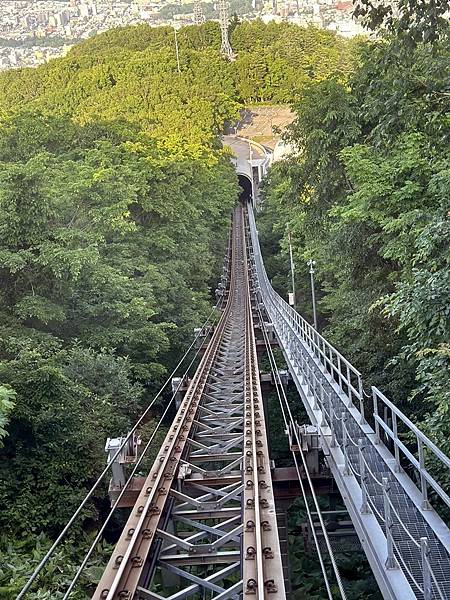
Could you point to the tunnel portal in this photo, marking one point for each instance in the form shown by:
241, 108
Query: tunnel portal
246, 189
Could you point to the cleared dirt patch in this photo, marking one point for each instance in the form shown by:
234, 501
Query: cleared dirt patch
258, 123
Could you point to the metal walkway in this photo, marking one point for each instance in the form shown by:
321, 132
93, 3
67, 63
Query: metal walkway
405, 540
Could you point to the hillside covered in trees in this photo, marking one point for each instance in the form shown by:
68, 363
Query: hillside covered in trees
366, 194
115, 197
130, 75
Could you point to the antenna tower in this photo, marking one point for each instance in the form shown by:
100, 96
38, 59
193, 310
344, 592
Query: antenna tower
225, 47
199, 17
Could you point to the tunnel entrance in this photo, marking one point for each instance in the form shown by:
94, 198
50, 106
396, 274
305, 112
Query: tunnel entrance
246, 189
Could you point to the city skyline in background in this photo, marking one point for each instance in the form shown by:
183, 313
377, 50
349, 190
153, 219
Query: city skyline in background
33, 32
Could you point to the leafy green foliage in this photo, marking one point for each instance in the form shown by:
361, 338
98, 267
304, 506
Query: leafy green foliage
366, 194
131, 74
7, 397
115, 198
276, 61
413, 21
18, 559
93, 251
111, 237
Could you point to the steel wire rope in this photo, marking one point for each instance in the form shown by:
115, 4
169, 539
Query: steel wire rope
375, 509
308, 510
349, 437
417, 544
305, 466
436, 583
322, 524
115, 505
83, 503
353, 470
369, 470
399, 555
400, 522
302, 487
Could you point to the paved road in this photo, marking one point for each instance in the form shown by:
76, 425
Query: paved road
241, 148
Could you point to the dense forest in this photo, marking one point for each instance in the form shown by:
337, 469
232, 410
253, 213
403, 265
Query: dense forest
365, 194
115, 194
115, 197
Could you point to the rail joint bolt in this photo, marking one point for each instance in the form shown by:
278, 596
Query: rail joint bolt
271, 586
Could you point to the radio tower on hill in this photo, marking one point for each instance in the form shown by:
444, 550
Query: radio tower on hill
225, 47
199, 17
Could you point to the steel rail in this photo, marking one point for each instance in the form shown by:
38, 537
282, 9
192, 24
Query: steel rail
33, 577
262, 573
126, 564
125, 488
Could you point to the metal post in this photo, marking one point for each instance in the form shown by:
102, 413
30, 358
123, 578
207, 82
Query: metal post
291, 258
340, 375
361, 401
391, 562
303, 372
323, 421
296, 353
375, 414
329, 414
316, 349
331, 422
349, 384
331, 364
423, 481
396, 449
345, 444
365, 510
425, 568
308, 383
315, 406
302, 367
311, 264
176, 49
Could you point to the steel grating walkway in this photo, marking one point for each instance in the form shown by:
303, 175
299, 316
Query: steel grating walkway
405, 540
410, 524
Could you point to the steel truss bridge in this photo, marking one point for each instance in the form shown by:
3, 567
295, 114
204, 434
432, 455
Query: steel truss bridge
203, 521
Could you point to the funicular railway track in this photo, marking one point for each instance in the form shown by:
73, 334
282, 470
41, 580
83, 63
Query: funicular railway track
204, 523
